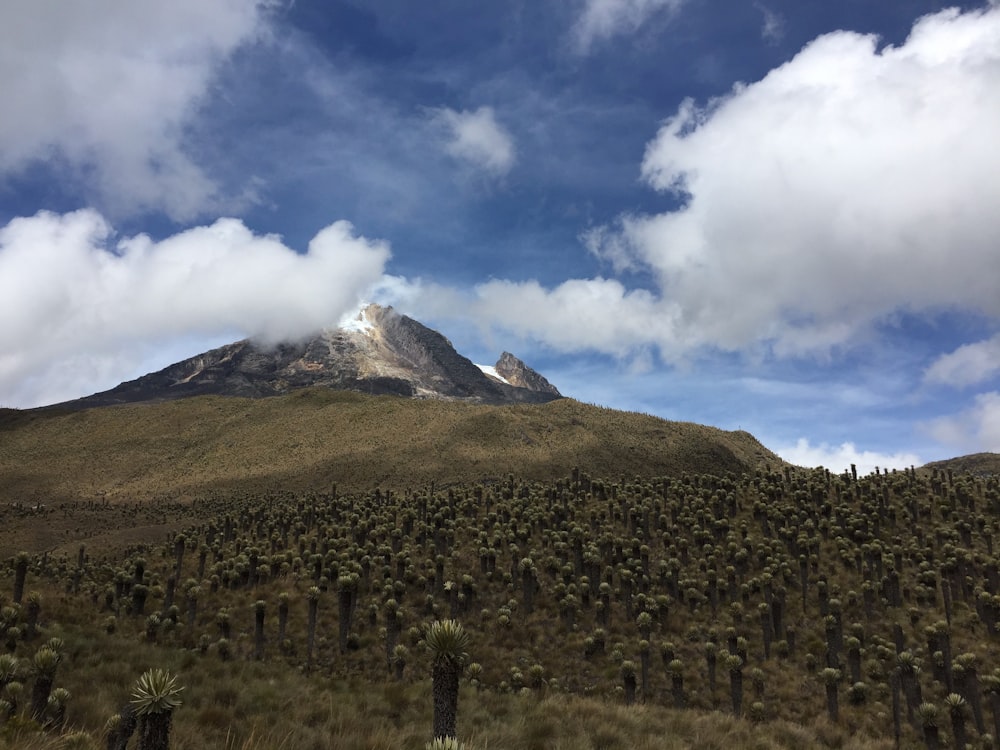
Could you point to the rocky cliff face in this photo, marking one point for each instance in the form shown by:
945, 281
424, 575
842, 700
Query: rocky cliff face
379, 352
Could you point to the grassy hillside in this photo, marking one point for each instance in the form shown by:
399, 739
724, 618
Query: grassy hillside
314, 438
980, 464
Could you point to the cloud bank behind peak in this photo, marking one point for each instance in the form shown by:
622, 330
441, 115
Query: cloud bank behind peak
82, 306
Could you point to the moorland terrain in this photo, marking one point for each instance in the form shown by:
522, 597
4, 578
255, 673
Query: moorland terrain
155, 456
625, 581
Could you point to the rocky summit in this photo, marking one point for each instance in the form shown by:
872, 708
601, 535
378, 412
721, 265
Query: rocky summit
379, 351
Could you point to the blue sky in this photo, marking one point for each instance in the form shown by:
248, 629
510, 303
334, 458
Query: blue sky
777, 216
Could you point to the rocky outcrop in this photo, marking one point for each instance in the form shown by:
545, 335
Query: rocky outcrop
515, 372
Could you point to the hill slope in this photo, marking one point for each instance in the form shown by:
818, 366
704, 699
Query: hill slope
975, 463
315, 437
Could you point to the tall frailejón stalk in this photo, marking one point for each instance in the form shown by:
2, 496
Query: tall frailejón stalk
312, 597
447, 641
43, 665
155, 696
20, 574
259, 609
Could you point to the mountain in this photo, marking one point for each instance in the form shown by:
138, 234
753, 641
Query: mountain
379, 352
335, 416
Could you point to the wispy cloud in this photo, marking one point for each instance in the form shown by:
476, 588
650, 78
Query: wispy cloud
78, 302
478, 139
603, 19
967, 365
976, 429
772, 29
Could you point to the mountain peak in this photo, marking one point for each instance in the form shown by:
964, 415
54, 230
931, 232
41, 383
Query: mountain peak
376, 350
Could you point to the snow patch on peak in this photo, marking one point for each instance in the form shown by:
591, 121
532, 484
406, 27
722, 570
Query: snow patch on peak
492, 372
357, 321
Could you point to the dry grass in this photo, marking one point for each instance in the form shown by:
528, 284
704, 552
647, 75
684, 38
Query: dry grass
246, 706
314, 438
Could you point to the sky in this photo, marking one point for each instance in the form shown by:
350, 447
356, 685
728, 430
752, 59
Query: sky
779, 216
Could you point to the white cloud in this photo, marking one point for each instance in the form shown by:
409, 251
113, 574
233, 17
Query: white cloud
603, 19
579, 314
478, 139
109, 87
838, 458
975, 430
847, 185
76, 300
967, 365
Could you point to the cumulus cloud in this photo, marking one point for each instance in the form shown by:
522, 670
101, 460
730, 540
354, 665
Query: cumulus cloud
603, 19
478, 139
109, 88
578, 315
76, 300
838, 458
847, 185
975, 430
812, 207
967, 365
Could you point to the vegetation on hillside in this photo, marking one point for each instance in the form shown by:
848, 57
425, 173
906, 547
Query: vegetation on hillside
979, 464
779, 608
